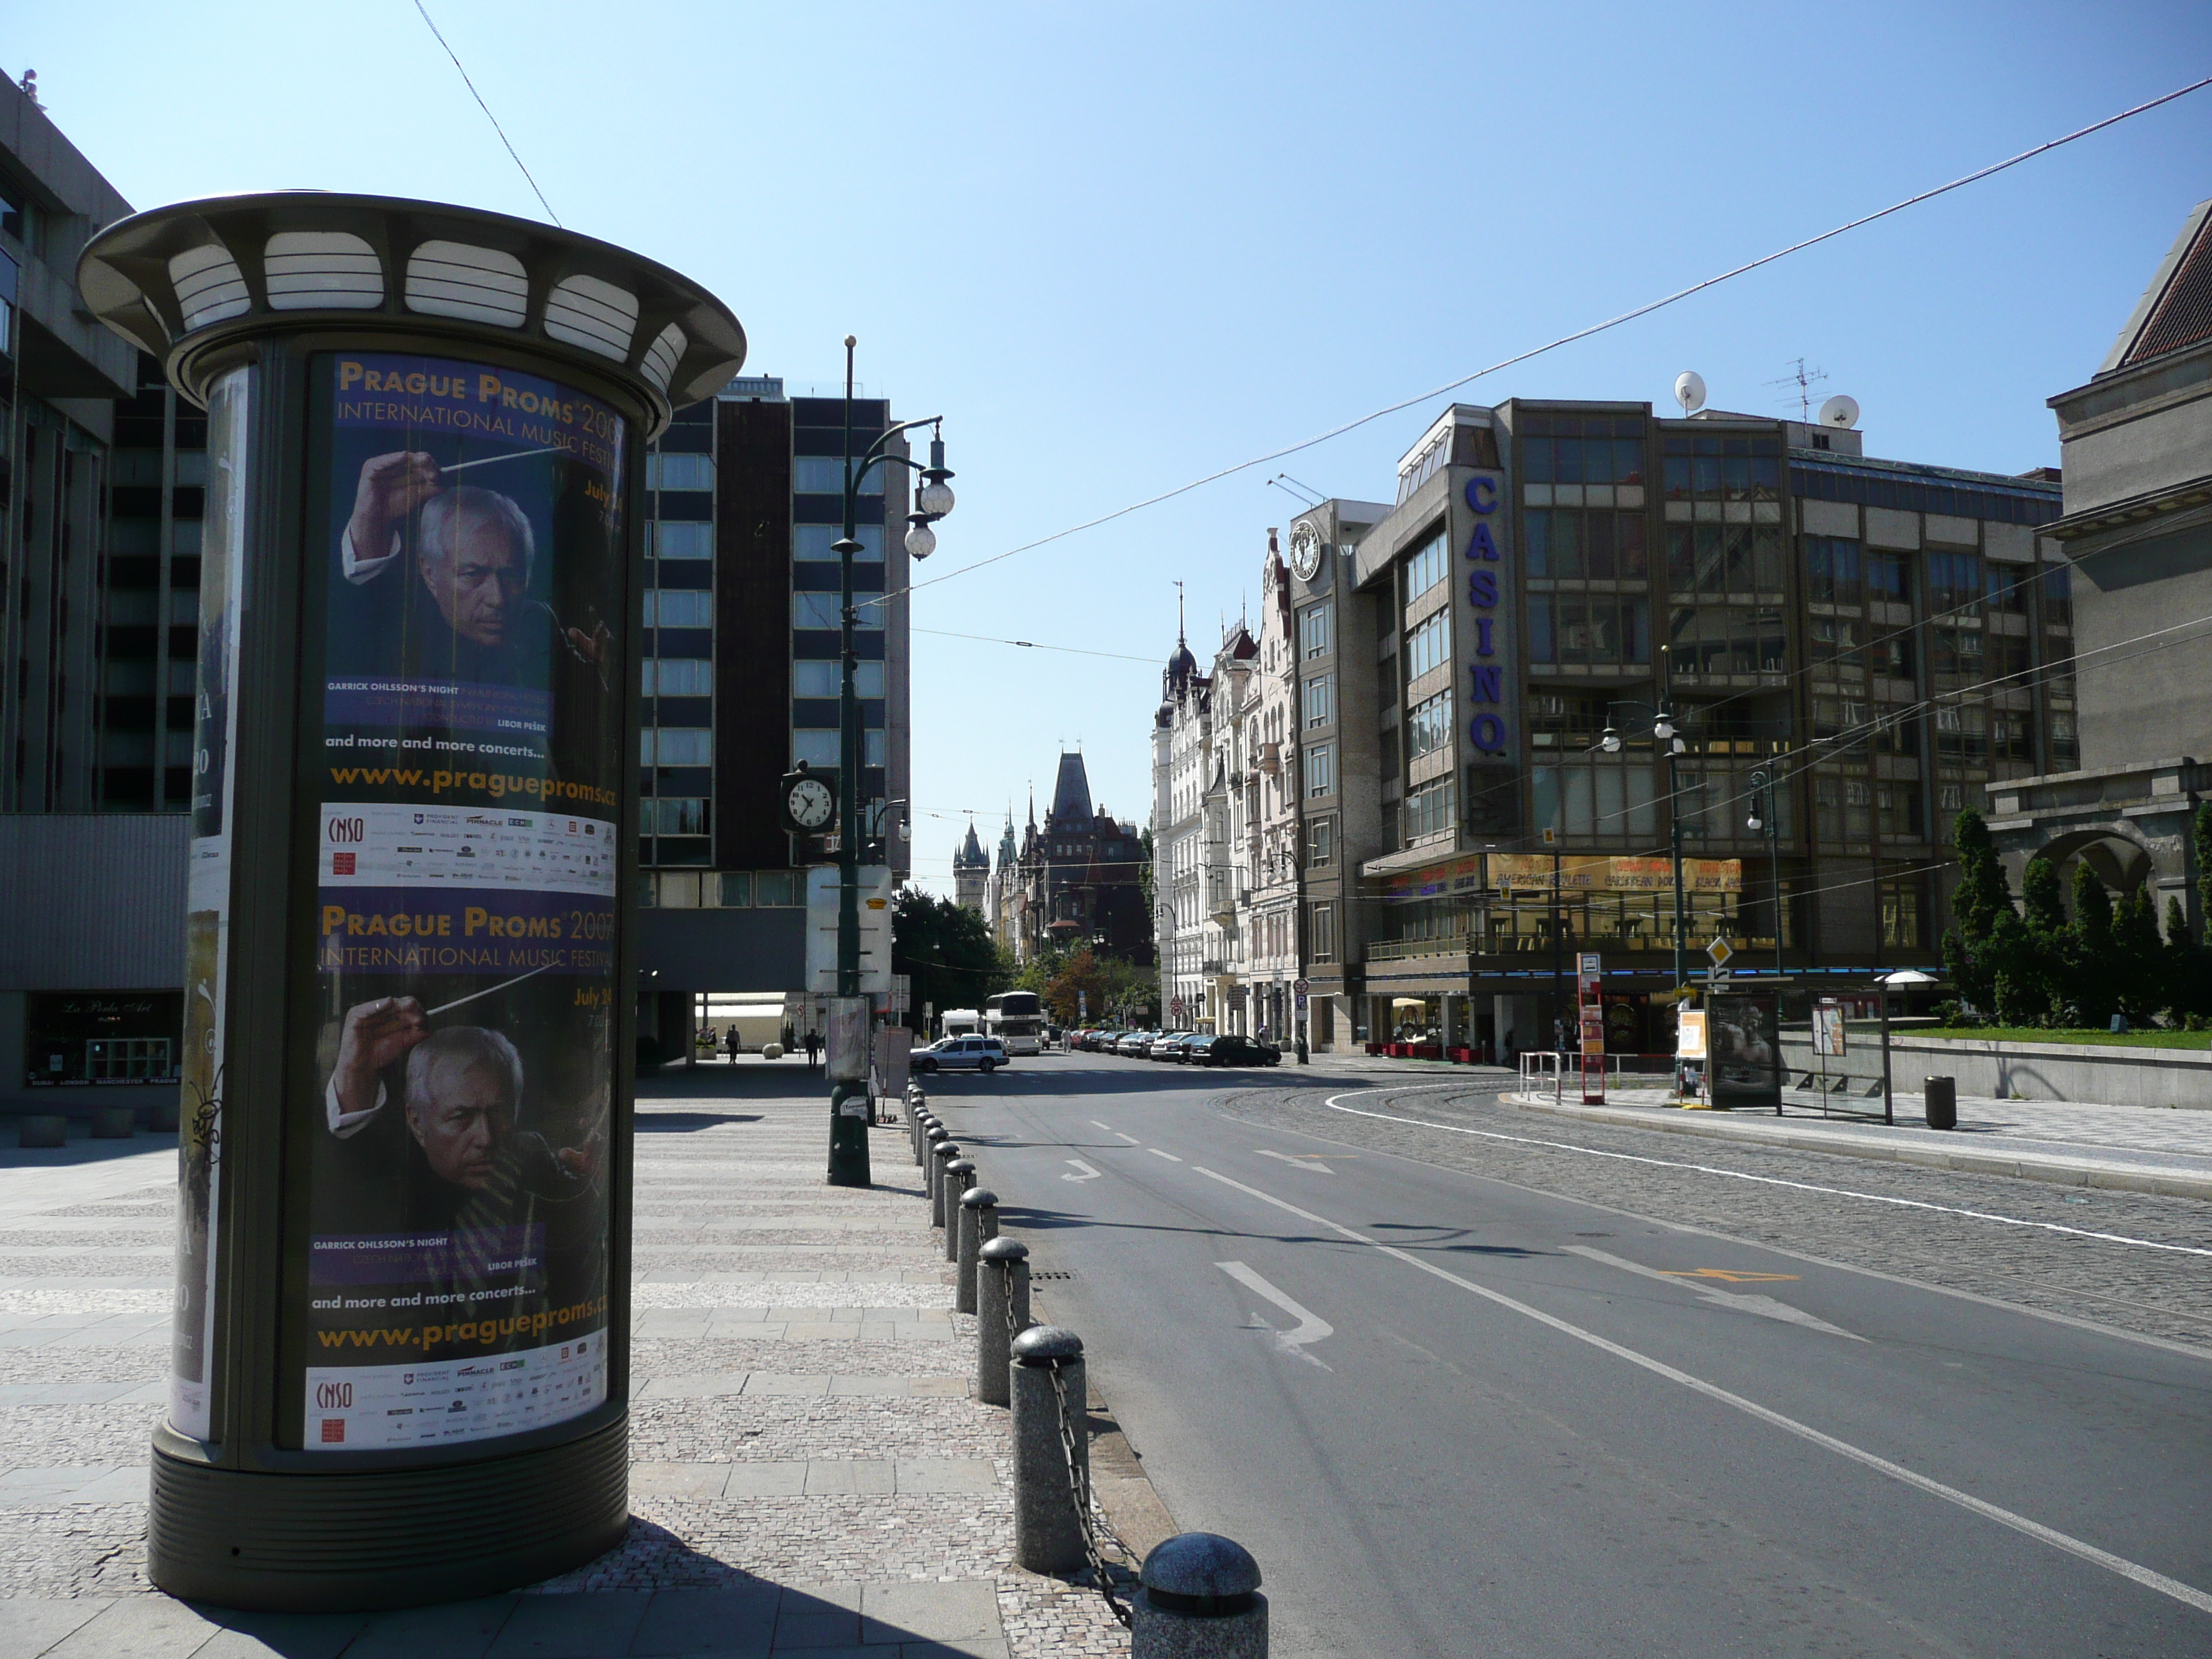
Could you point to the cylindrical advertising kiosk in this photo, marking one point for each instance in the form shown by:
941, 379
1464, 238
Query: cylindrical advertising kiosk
400, 1363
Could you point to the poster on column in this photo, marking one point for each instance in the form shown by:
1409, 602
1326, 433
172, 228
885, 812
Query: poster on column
207, 905
454, 1285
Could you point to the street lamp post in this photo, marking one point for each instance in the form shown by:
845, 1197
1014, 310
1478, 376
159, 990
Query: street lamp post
932, 500
1662, 729
1763, 817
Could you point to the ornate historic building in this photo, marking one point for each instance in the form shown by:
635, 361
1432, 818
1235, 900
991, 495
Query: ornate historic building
1078, 877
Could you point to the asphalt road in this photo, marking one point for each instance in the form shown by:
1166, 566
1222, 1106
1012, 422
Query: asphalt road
1459, 1412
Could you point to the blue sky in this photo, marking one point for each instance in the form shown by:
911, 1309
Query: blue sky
1120, 248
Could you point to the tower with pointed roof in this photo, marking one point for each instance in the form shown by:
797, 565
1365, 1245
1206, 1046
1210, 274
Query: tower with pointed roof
971, 871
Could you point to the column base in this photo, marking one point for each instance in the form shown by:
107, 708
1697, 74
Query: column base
345, 1543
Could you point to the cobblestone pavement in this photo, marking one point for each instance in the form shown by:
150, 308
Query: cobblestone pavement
808, 1469
2118, 1281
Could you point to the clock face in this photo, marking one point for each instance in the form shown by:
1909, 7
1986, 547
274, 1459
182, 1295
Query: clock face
1306, 552
810, 803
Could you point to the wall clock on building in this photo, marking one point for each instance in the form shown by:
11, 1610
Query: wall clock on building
809, 802
1305, 551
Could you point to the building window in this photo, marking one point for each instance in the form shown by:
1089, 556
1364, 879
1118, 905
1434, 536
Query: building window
1430, 564
1599, 449
679, 471
677, 815
1900, 914
1724, 558
1429, 727
1954, 582
1718, 638
737, 888
2058, 597
1592, 627
1320, 843
1317, 698
819, 610
1314, 633
825, 679
816, 748
777, 888
1320, 770
1429, 810
1585, 546
679, 607
675, 539
1831, 571
1723, 466
676, 746
1320, 933
821, 475
678, 676
1601, 800
1427, 646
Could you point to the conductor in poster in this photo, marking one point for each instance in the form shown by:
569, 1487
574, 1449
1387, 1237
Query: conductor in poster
460, 1112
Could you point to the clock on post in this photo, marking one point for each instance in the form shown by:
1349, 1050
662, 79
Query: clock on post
809, 801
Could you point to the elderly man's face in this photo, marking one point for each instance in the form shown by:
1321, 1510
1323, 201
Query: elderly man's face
462, 1123
479, 581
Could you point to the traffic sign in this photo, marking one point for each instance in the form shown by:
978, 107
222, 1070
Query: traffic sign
1720, 950
1300, 987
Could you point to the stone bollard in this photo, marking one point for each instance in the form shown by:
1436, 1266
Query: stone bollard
1201, 1599
941, 1154
43, 1129
979, 1225
959, 1175
1002, 1283
1044, 1378
113, 1123
930, 1136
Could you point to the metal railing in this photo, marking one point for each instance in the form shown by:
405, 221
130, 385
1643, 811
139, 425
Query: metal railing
1545, 1071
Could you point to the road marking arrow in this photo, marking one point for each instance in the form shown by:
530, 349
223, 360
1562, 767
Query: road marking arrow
1089, 1174
1308, 1161
1310, 1327
1765, 1306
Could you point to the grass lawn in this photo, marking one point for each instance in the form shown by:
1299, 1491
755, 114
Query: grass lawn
2037, 1034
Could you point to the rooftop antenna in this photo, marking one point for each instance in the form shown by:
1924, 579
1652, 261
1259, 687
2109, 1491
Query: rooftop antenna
1804, 379
1179, 633
1690, 391
1298, 491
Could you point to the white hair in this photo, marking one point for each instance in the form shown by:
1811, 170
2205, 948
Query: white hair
462, 1048
444, 514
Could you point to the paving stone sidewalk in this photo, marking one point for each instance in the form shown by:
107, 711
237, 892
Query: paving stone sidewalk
808, 1472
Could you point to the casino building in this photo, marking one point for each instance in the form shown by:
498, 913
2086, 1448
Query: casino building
1849, 650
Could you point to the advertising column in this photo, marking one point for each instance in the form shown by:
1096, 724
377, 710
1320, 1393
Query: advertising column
466, 848
399, 1367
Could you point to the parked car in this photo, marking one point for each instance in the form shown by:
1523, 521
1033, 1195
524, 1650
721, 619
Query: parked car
1173, 1047
1135, 1044
1235, 1049
960, 1053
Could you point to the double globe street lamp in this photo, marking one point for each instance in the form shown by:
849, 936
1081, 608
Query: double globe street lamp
932, 500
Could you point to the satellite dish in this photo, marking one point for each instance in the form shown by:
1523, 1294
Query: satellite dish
1690, 391
1840, 410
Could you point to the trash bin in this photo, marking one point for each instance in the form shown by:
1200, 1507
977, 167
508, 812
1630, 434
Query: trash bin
1941, 1094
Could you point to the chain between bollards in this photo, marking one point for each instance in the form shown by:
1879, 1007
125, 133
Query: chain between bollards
1002, 1313
1075, 1451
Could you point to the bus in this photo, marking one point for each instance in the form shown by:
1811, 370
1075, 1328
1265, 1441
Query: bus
1017, 1019
959, 1022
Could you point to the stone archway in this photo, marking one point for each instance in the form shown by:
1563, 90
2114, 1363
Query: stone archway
2118, 858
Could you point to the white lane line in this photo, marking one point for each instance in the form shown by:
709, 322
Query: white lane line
2142, 1575
1157, 1152
1132, 1140
1746, 1302
1089, 1174
1738, 1175
1310, 1327
1311, 1161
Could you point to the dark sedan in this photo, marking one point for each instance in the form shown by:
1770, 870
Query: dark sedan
1232, 1049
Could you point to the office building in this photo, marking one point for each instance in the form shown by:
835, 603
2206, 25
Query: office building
1849, 649
2135, 447
742, 680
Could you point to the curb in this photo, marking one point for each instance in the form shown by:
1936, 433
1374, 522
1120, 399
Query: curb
2028, 1167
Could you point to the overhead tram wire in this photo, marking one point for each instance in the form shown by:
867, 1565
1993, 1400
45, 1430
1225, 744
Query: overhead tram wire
489, 115
1032, 645
1616, 321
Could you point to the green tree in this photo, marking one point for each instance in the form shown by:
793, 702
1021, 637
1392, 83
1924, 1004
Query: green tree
2095, 973
946, 950
1982, 901
2029, 952
2146, 987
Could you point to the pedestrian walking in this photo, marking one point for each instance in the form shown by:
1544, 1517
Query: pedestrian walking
813, 1050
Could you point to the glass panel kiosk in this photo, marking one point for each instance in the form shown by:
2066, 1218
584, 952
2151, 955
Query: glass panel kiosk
400, 1365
